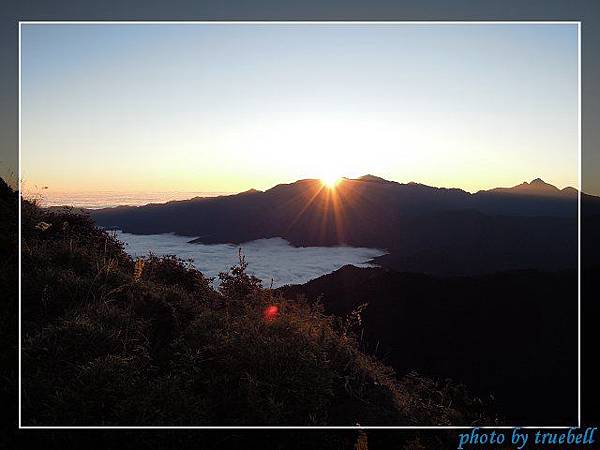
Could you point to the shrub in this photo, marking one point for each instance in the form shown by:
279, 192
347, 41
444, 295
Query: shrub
110, 341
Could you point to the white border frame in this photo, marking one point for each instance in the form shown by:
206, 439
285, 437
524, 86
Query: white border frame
325, 22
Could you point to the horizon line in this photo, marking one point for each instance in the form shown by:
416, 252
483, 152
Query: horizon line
233, 192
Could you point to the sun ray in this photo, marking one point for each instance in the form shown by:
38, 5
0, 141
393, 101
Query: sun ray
331, 179
304, 208
330, 182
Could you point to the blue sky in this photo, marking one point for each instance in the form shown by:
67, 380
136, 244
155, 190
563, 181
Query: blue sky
230, 107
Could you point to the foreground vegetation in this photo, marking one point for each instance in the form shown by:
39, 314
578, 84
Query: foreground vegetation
108, 340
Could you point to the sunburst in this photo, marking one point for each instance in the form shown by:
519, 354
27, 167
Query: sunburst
331, 180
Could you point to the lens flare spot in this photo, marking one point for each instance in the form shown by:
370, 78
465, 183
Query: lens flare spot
270, 313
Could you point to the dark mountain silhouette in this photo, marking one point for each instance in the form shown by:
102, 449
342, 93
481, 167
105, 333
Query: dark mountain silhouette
537, 187
536, 198
112, 341
424, 228
373, 178
512, 335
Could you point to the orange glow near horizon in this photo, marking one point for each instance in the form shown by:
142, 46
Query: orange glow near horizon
331, 180
227, 108
331, 201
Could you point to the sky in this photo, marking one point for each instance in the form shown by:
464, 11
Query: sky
198, 107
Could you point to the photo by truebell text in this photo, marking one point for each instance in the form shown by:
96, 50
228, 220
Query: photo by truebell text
521, 439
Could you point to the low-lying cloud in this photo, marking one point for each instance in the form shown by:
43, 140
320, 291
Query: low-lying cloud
267, 259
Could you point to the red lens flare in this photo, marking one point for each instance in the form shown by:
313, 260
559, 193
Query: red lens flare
271, 312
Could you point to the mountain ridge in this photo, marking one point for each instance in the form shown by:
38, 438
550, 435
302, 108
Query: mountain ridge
535, 187
496, 230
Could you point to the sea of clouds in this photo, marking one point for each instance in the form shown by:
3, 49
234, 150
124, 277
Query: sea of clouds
267, 259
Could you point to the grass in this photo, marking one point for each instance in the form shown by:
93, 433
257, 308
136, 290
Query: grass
112, 341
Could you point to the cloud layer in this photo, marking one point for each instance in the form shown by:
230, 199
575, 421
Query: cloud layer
267, 258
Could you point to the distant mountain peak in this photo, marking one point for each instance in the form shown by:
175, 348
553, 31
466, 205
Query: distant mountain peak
569, 190
250, 191
536, 187
373, 179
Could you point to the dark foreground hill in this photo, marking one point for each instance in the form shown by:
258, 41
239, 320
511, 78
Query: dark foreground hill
512, 335
110, 341
73, 342
427, 229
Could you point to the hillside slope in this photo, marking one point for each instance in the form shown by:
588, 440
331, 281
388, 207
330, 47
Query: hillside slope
512, 335
110, 341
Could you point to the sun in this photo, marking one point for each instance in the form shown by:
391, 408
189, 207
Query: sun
331, 180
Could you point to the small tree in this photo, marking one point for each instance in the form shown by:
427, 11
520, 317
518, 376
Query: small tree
236, 285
